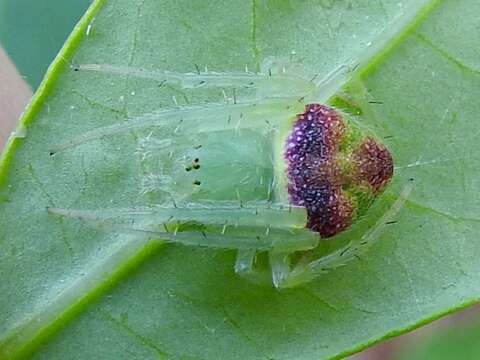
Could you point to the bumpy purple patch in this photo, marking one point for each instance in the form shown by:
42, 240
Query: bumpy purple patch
374, 164
321, 175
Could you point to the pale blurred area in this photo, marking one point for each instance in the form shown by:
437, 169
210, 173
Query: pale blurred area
14, 96
453, 337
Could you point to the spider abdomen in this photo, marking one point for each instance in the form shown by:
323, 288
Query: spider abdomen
331, 165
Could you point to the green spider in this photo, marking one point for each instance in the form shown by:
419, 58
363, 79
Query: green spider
275, 174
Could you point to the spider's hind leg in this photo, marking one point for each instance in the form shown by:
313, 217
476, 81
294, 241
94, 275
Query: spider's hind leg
306, 271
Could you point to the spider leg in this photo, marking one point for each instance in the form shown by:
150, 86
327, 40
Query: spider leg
280, 264
245, 267
245, 261
273, 92
261, 227
194, 119
304, 272
280, 81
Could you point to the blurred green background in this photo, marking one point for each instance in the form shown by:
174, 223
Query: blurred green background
33, 31
459, 340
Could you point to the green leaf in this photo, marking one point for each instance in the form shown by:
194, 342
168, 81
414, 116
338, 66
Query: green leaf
70, 291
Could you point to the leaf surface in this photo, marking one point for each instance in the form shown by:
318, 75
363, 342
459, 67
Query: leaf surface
72, 292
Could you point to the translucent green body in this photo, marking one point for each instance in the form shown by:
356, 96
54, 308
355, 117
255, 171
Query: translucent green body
215, 175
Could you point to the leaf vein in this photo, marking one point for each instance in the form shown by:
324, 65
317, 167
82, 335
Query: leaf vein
160, 353
445, 54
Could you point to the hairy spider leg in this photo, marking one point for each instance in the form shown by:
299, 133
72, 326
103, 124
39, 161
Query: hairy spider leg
273, 90
278, 78
277, 83
246, 225
195, 119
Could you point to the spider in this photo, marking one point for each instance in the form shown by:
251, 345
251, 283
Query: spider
273, 174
